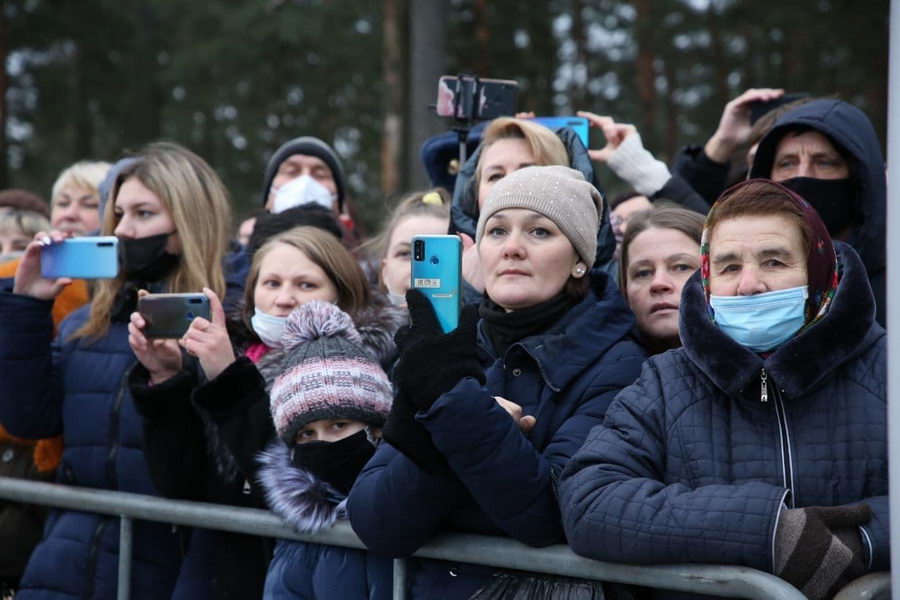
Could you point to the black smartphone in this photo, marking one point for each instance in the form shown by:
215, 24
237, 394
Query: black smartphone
469, 98
170, 315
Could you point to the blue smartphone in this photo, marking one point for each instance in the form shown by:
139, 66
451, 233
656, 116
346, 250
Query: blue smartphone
170, 315
437, 272
81, 258
579, 124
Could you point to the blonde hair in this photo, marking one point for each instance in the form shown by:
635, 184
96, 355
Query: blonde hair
547, 148
428, 203
86, 174
197, 201
28, 222
327, 252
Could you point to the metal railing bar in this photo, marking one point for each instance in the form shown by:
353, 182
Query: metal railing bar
732, 581
400, 575
123, 591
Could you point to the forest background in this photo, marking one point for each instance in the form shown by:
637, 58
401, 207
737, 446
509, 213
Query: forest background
233, 79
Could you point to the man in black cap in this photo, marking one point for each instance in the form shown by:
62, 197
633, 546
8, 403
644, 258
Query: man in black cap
301, 171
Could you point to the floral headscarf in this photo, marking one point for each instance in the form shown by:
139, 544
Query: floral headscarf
821, 262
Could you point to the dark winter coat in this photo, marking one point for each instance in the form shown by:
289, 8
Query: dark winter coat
706, 176
202, 441
503, 482
307, 571
78, 388
852, 131
692, 464
464, 207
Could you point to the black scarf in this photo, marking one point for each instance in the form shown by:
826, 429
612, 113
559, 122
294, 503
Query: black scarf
504, 329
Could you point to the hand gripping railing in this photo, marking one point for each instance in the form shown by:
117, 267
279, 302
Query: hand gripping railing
715, 580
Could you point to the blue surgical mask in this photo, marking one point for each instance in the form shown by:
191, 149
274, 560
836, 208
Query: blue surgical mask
268, 328
301, 190
762, 322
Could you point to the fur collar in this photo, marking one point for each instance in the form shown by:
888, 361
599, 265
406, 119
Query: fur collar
846, 330
304, 501
377, 325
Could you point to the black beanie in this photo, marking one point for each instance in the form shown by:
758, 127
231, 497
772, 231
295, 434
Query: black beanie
311, 146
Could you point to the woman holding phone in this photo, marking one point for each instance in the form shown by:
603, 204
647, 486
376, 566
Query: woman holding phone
485, 417
203, 436
170, 212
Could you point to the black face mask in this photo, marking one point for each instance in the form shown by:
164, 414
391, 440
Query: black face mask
833, 199
145, 259
338, 463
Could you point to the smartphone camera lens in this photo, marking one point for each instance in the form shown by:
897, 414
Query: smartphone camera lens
195, 301
435, 260
419, 250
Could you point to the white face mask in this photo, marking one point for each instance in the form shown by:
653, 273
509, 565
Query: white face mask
268, 328
302, 190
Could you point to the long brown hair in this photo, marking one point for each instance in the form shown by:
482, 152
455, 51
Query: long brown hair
323, 249
197, 201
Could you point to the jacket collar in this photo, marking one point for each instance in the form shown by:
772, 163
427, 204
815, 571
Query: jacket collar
296, 495
571, 345
847, 329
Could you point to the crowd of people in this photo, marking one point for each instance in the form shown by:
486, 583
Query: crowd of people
692, 371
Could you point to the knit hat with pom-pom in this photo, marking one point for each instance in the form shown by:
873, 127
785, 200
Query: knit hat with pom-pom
326, 374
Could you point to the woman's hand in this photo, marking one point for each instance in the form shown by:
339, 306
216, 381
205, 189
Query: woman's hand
472, 272
526, 423
734, 125
208, 340
161, 358
28, 280
615, 134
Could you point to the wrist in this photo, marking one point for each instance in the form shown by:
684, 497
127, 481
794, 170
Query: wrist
719, 148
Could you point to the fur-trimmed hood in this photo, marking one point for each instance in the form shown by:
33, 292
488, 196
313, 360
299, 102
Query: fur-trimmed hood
308, 503
846, 330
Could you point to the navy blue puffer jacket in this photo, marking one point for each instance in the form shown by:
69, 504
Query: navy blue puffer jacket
78, 388
503, 481
693, 464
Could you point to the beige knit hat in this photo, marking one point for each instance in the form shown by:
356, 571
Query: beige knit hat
559, 193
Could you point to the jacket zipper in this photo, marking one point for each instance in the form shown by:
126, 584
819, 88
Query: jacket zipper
114, 427
540, 370
91, 586
784, 434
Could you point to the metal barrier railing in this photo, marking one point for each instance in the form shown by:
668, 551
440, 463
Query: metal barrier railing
714, 580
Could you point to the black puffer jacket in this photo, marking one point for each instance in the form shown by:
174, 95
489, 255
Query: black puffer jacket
693, 464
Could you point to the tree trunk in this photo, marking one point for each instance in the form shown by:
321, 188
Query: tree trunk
427, 59
645, 77
392, 133
578, 89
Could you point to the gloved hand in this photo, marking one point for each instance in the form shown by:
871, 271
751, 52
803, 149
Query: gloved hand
430, 364
818, 549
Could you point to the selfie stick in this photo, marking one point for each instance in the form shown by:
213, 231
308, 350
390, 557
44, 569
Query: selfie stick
468, 110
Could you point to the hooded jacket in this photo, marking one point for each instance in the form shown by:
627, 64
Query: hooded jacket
202, 441
78, 388
503, 482
692, 464
851, 130
305, 570
464, 207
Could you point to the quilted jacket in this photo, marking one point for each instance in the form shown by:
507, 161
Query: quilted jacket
696, 459
78, 388
503, 482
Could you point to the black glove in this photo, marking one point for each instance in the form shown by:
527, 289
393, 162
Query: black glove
818, 549
432, 362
